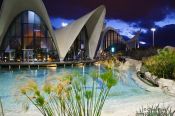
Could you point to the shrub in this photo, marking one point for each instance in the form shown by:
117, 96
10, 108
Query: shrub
174, 74
72, 95
163, 64
155, 111
141, 53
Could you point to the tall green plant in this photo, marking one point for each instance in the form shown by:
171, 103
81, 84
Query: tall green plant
72, 95
1, 108
163, 64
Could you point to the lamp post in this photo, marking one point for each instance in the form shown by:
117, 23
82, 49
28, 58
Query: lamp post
153, 30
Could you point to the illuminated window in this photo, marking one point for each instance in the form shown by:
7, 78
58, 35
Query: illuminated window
31, 17
28, 31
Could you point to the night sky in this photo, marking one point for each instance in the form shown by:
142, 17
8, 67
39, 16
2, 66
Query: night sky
128, 16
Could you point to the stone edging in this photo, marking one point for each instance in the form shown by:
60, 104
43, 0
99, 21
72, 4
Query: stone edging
168, 86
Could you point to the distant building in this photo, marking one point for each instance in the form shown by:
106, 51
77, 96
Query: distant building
112, 41
134, 42
110, 38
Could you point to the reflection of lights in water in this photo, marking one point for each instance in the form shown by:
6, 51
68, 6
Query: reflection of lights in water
36, 72
52, 68
99, 69
80, 65
98, 65
83, 70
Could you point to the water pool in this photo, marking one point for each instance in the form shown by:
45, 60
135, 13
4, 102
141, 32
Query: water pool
10, 81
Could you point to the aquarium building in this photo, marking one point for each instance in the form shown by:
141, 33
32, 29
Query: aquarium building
26, 33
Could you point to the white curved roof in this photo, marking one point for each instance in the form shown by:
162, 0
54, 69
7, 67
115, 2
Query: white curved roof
94, 24
11, 8
63, 38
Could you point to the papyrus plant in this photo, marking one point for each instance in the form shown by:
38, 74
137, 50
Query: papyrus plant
1, 108
71, 94
156, 110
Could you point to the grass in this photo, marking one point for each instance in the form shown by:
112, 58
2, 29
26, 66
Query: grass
155, 110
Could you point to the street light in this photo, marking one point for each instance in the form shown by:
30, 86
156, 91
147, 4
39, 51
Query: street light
153, 30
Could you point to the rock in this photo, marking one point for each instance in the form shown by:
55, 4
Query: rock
168, 86
154, 77
155, 80
148, 75
138, 67
169, 48
172, 90
165, 83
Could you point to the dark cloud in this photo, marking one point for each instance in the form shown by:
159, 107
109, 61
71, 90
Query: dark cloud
127, 10
166, 35
172, 4
143, 12
146, 23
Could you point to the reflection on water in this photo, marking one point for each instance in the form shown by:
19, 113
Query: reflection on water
11, 81
126, 86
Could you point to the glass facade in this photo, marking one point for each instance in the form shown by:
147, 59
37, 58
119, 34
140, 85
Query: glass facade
79, 49
28, 39
112, 40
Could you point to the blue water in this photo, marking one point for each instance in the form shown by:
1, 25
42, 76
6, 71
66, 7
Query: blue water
11, 81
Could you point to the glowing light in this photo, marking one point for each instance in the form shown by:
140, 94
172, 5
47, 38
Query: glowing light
112, 49
36, 30
142, 42
153, 29
64, 24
